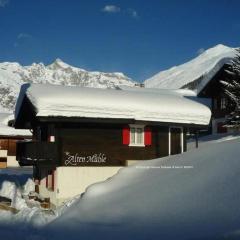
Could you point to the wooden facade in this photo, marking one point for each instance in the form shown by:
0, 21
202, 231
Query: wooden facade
70, 153
221, 105
91, 144
82, 141
8, 145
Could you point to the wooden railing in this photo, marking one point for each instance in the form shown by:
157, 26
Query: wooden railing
31, 153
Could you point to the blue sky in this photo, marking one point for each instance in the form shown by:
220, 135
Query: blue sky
136, 37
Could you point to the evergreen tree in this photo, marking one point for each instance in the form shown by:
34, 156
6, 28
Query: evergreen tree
231, 87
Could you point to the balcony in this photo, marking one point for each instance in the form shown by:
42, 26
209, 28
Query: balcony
31, 153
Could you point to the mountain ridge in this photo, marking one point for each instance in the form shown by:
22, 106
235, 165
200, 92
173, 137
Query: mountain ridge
202, 68
13, 75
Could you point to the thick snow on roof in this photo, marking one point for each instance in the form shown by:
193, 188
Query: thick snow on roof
5, 130
190, 94
66, 101
205, 66
181, 92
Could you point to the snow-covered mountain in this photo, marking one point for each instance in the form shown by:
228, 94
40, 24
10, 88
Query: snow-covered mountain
13, 75
198, 71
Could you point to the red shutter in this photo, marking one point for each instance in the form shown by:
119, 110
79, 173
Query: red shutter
126, 135
147, 136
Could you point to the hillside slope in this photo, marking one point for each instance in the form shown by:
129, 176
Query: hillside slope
201, 69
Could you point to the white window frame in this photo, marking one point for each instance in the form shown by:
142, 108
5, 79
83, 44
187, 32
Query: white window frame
169, 139
135, 144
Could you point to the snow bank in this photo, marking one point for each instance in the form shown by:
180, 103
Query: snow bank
204, 141
10, 190
16, 186
194, 195
167, 106
190, 196
28, 187
205, 66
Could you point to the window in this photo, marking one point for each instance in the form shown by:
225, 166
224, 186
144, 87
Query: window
223, 103
136, 135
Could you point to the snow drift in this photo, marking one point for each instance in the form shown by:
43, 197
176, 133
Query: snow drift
190, 196
194, 195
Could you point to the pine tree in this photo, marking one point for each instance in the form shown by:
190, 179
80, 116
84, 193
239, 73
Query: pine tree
231, 87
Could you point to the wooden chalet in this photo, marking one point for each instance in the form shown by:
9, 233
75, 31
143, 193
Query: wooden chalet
8, 138
221, 104
85, 135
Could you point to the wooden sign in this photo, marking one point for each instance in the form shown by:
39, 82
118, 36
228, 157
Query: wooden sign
75, 159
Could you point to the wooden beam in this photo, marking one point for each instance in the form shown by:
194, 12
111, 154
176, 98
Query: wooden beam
196, 138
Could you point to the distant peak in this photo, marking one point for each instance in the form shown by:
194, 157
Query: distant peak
217, 50
220, 47
59, 63
58, 60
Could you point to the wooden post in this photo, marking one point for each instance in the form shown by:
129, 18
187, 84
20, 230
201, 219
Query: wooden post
37, 189
196, 138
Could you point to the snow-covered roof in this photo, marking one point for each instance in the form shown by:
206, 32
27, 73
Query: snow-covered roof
201, 68
67, 101
6, 130
180, 92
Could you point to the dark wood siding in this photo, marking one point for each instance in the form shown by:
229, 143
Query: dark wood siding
106, 141
215, 91
184, 139
10, 145
12, 148
175, 141
4, 144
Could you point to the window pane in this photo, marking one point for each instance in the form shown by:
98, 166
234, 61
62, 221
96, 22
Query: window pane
132, 134
223, 103
139, 136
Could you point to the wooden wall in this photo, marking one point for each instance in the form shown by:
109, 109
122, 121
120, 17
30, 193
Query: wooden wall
214, 90
3, 162
8, 144
107, 141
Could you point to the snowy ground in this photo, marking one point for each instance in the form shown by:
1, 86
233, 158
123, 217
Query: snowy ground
213, 138
190, 196
15, 183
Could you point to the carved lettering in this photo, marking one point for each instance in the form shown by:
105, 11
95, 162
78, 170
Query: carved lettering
77, 159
